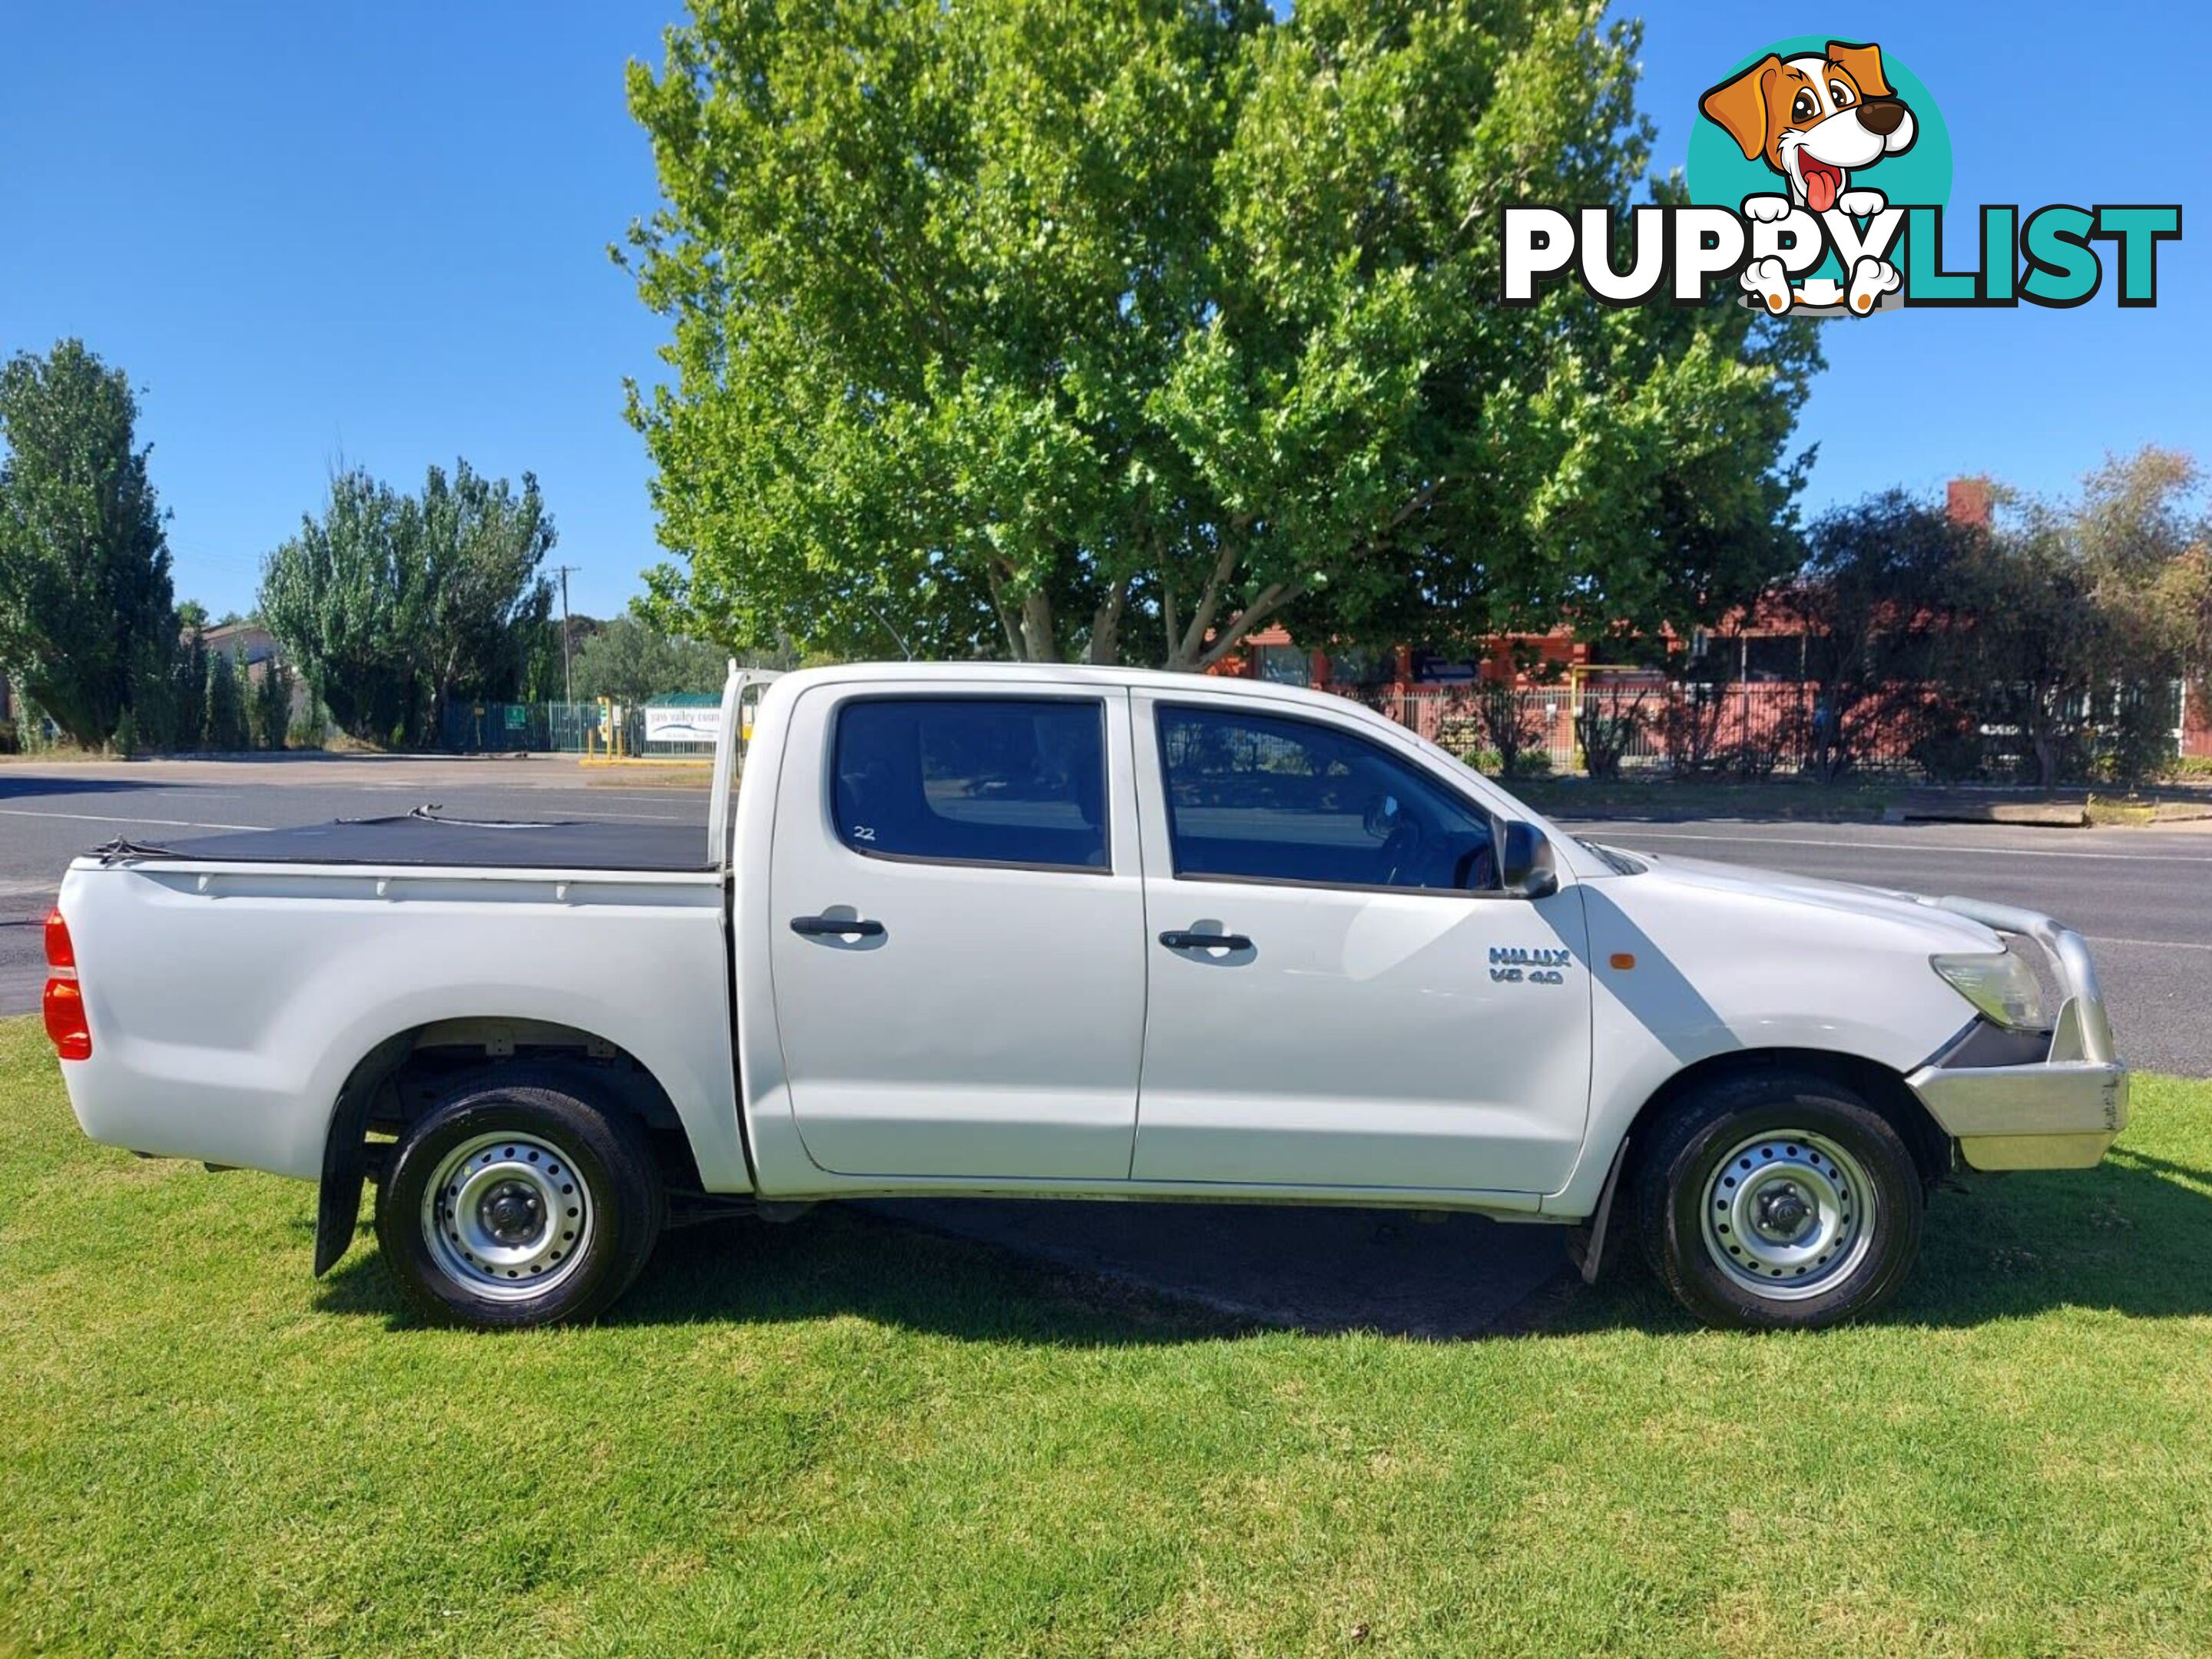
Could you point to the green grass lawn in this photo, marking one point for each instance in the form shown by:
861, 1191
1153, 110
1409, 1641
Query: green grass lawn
838, 1438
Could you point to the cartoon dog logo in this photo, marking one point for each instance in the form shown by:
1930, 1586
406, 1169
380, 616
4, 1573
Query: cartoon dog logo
1815, 120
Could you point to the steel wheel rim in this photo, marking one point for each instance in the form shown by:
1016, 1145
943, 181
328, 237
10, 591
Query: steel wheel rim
507, 1217
1788, 1215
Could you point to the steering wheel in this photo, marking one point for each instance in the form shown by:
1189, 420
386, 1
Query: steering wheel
1402, 847
1477, 870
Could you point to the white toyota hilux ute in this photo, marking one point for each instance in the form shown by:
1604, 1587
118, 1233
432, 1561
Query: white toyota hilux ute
993, 929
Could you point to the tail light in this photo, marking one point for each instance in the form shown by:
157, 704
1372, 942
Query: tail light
60, 953
64, 1000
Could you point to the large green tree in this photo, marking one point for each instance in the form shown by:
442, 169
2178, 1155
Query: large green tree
393, 604
2048, 642
630, 661
187, 703
86, 619
2083, 614
225, 730
1879, 602
1116, 331
341, 594
483, 599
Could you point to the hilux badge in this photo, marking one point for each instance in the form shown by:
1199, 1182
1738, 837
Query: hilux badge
1513, 965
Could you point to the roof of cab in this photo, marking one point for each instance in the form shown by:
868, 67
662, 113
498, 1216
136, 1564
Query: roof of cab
1268, 693
1050, 673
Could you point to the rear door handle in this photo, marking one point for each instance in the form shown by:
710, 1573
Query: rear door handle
838, 926
1175, 940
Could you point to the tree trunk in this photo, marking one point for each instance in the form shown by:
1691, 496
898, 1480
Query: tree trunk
1184, 652
1104, 648
1202, 648
2046, 759
1038, 641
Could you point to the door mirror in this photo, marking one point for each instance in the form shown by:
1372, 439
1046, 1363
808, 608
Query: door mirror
1525, 868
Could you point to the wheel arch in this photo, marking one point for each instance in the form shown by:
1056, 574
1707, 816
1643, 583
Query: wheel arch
1882, 1088
398, 1079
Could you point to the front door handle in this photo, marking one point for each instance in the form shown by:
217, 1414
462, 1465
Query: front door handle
837, 926
1177, 940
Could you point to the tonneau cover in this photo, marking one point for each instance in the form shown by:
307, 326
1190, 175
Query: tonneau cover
422, 837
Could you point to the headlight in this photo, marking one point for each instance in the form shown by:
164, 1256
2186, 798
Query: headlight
2001, 985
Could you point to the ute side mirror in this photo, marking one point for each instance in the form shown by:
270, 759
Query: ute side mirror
1525, 866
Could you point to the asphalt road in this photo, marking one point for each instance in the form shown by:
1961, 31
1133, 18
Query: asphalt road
2142, 896
49, 814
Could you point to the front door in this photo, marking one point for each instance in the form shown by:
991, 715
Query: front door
1380, 1015
958, 932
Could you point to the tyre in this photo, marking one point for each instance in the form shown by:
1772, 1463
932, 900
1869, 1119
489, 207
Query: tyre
1779, 1201
518, 1200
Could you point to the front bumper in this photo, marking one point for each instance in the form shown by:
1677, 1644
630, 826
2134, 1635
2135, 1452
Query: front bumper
2060, 1112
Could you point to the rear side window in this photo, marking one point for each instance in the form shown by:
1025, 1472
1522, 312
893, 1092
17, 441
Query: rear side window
974, 780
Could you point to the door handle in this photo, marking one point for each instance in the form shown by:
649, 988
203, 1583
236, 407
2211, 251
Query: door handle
836, 926
1175, 940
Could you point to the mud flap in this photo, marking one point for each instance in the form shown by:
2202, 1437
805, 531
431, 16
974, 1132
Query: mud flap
337, 1211
1586, 1244
345, 1153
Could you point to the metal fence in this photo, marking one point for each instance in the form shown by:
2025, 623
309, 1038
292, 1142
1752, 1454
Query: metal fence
1752, 729
557, 728
1759, 729
1749, 729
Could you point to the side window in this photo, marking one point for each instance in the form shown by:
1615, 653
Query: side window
974, 780
1256, 798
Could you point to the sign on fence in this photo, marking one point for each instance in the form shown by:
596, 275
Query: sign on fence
683, 723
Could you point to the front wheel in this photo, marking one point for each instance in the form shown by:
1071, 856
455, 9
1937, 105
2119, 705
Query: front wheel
518, 1201
1779, 1199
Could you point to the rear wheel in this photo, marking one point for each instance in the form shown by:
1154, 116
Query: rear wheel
1779, 1199
518, 1201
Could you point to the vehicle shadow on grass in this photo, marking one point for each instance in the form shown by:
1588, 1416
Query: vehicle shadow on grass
2133, 1236
839, 1259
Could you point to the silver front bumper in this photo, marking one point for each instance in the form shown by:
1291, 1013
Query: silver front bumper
2059, 1113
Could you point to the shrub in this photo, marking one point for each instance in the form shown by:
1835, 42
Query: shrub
1689, 727
1950, 752
2137, 746
1754, 760
1604, 727
1510, 729
270, 704
225, 731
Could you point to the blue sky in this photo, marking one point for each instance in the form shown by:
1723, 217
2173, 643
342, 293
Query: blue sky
378, 233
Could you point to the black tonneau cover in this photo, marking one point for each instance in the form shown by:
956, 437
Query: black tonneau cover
422, 837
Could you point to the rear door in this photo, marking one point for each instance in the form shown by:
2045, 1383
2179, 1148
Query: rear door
1380, 1015
958, 931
